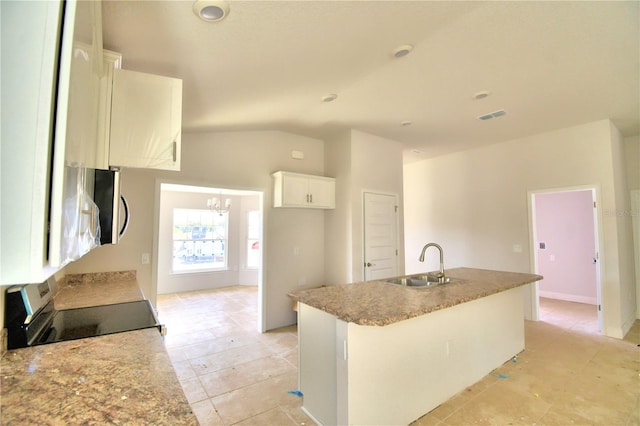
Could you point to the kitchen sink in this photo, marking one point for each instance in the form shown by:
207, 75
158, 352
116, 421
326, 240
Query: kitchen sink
421, 281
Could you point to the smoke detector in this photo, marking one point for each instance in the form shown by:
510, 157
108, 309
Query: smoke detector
403, 50
330, 97
481, 95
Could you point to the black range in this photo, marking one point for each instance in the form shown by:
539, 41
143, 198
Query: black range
30, 317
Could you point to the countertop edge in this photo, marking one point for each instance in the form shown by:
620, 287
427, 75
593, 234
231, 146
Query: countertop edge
346, 301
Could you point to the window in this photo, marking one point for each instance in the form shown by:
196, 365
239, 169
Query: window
253, 239
199, 240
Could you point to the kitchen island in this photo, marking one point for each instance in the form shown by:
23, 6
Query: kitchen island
122, 378
379, 353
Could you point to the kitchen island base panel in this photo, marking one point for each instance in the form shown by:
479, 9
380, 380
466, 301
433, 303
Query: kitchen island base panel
397, 373
317, 350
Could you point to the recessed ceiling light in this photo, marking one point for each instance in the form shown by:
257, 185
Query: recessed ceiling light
330, 97
403, 50
406, 123
211, 10
481, 95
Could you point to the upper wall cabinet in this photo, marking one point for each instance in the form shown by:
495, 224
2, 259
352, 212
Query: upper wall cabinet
28, 102
51, 71
146, 121
306, 191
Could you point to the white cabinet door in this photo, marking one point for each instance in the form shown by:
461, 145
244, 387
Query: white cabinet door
307, 191
295, 191
28, 83
146, 121
111, 62
84, 86
322, 192
73, 228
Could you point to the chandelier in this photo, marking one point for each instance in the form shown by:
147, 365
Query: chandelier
215, 204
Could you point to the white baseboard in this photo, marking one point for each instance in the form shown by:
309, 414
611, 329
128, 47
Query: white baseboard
568, 297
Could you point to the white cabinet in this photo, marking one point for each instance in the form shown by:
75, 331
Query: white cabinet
73, 216
28, 101
306, 191
30, 37
83, 112
140, 118
145, 121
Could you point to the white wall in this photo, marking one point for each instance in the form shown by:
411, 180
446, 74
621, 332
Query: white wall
238, 160
632, 157
360, 162
626, 263
338, 223
475, 204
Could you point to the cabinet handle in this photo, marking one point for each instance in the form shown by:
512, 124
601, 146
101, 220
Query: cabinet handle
175, 151
311, 198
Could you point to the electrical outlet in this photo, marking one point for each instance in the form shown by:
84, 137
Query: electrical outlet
145, 258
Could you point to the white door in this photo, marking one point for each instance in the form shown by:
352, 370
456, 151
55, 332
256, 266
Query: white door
380, 236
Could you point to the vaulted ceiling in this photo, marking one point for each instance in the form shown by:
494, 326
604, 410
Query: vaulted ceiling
549, 65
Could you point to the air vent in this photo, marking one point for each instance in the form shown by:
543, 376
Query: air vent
491, 115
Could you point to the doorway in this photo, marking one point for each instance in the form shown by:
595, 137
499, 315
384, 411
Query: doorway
208, 238
565, 251
380, 236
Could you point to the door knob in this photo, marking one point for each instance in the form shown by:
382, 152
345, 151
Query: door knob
370, 264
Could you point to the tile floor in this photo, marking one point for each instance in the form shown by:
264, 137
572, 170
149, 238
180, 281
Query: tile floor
230, 373
567, 375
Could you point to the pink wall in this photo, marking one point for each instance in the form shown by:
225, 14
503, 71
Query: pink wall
564, 222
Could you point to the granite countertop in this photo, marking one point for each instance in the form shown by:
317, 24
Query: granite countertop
379, 303
83, 290
122, 378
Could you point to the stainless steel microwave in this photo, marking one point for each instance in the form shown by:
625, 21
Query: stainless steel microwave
113, 209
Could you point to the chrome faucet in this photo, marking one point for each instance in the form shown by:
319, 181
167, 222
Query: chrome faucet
440, 275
